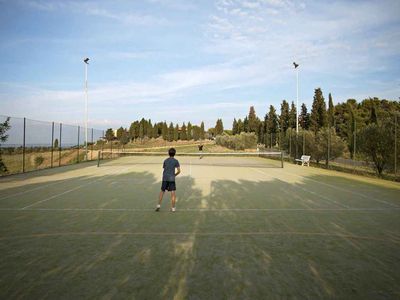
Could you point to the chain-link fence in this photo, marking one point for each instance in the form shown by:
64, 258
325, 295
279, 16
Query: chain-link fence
366, 149
33, 145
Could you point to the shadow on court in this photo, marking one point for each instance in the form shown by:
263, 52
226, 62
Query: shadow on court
235, 240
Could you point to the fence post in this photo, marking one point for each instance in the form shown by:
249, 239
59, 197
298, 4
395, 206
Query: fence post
395, 146
304, 142
52, 143
77, 158
102, 145
329, 147
23, 147
354, 148
91, 148
59, 148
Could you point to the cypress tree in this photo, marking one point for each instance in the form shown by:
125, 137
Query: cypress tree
189, 131
141, 130
272, 125
202, 132
219, 127
240, 126
284, 117
176, 132
183, 132
164, 131
318, 116
235, 127
253, 123
171, 132
246, 124
292, 115
331, 112
304, 117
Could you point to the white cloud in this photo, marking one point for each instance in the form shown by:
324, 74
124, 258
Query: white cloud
98, 10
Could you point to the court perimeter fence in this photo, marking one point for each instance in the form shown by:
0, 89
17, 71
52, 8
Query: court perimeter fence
33, 145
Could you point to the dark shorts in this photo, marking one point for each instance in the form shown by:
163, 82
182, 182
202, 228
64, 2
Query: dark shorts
168, 185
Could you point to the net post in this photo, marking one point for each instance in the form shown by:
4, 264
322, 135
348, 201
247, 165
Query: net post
52, 143
98, 158
77, 159
281, 159
23, 147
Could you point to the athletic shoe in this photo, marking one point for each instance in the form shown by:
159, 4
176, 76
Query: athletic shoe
158, 209
173, 209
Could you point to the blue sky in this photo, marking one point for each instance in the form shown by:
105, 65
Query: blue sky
179, 60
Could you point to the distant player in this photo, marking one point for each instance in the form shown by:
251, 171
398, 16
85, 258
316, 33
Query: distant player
201, 150
168, 180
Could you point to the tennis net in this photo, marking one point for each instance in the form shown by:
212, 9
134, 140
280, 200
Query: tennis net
227, 159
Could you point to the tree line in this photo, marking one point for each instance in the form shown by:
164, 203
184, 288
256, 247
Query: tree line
366, 129
145, 129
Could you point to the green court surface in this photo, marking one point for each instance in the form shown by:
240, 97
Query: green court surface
242, 230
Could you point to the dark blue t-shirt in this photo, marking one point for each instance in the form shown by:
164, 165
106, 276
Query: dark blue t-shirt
169, 169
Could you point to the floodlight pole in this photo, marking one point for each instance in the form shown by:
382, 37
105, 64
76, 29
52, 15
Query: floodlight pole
297, 100
86, 61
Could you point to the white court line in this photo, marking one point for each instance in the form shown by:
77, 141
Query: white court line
308, 191
203, 209
196, 233
78, 187
27, 191
31, 190
342, 189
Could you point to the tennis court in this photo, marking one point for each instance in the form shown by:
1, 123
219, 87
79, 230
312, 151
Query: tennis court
245, 228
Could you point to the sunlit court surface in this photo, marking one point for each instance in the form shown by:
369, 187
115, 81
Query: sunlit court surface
244, 228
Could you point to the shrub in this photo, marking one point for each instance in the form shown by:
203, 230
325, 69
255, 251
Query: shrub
39, 160
237, 142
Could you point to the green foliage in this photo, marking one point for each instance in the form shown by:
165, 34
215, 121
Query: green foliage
196, 132
124, 138
109, 134
219, 127
375, 142
331, 112
4, 127
253, 120
164, 131
39, 160
238, 142
120, 131
134, 130
304, 117
235, 127
292, 115
183, 132
240, 126
189, 131
246, 124
272, 126
176, 132
326, 139
170, 132
318, 116
284, 116
202, 131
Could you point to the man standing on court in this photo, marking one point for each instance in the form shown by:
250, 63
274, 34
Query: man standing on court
168, 180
